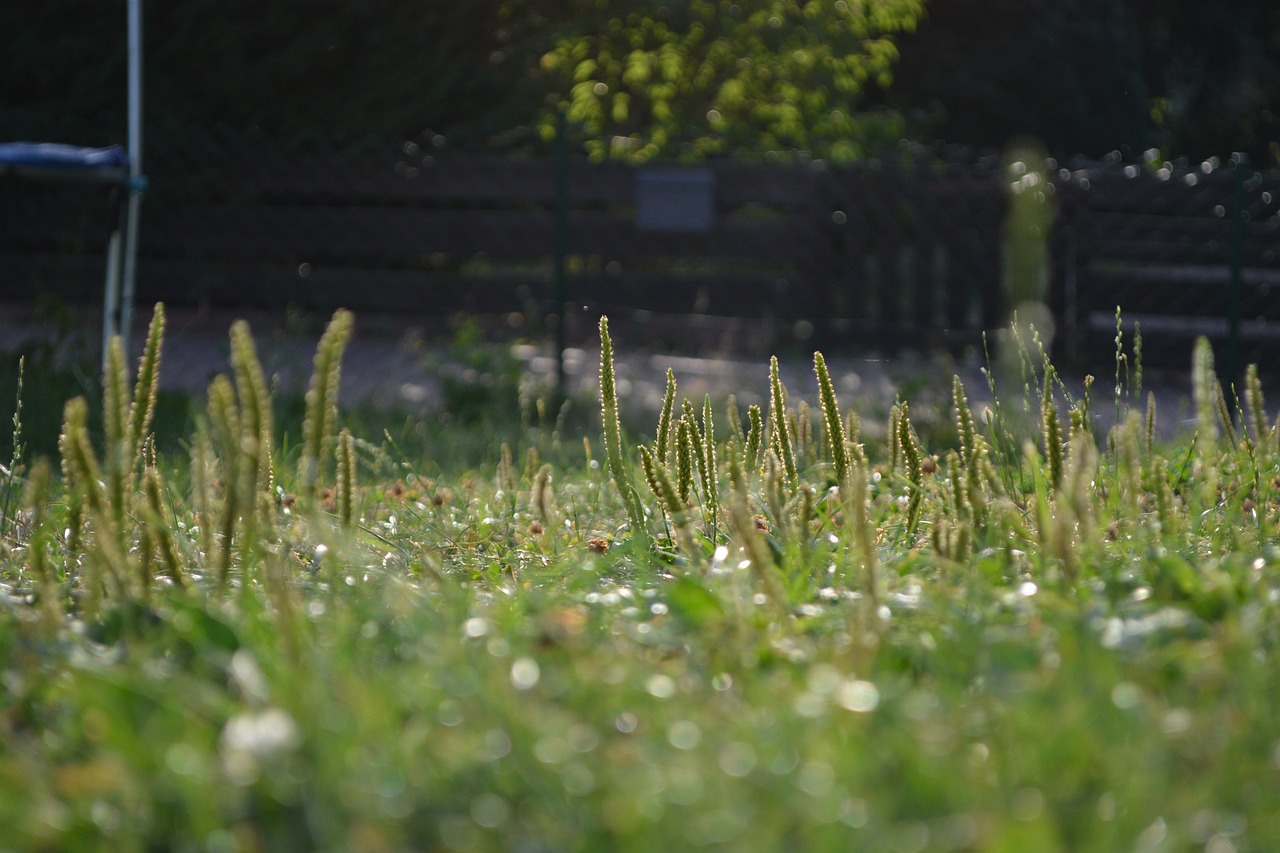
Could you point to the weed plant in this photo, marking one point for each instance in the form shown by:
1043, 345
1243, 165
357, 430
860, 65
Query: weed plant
748, 630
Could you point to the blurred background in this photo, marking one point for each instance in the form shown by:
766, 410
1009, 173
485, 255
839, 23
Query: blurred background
858, 174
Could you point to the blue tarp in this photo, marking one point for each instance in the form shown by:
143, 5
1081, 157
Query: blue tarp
56, 156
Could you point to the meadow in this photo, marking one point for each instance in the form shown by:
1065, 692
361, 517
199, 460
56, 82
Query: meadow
764, 629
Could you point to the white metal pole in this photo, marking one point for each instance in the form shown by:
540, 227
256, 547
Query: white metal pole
135, 169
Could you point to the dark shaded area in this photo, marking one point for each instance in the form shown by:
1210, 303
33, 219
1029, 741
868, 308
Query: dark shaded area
1092, 76
1084, 76
1068, 73
341, 67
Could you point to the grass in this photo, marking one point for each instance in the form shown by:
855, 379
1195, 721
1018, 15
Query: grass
748, 630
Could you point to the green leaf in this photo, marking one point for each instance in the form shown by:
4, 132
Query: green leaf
694, 603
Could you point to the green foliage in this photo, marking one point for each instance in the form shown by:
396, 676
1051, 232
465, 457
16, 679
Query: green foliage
345, 487
709, 77
619, 469
13, 470
780, 430
832, 422
322, 401
479, 378
1035, 661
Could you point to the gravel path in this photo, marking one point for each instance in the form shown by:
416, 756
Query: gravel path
395, 363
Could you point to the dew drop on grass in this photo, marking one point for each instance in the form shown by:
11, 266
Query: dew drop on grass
525, 673
106, 817
390, 786
809, 705
1126, 695
457, 832
1176, 722
824, 678
184, 759
685, 786
255, 736
626, 722
1106, 807
1027, 804
815, 778
497, 744
1154, 835
449, 713
221, 841
551, 750
475, 627
784, 762
911, 837
583, 738
578, 780
856, 813
737, 759
858, 696
247, 675
490, 811
660, 686
650, 807
684, 734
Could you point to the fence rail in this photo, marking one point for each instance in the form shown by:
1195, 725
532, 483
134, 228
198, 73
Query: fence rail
1183, 250
905, 251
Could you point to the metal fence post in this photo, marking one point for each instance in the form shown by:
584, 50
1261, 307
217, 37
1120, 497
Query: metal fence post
562, 246
1235, 294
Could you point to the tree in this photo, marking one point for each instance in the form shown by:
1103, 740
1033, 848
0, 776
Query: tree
705, 77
